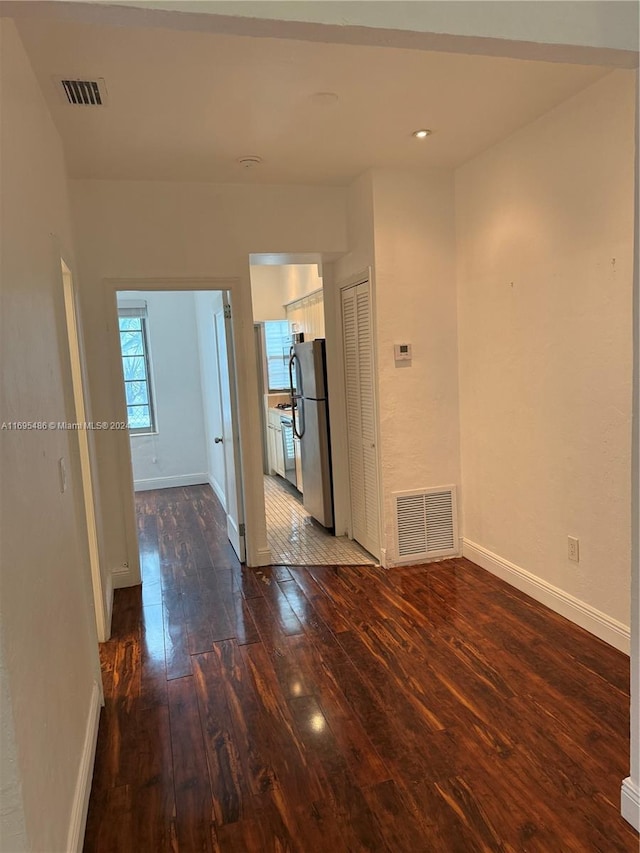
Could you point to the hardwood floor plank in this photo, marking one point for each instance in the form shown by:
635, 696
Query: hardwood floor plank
197, 623
149, 560
358, 825
111, 823
295, 769
153, 672
247, 836
107, 662
399, 824
269, 629
244, 627
288, 661
246, 716
293, 824
228, 785
154, 797
127, 607
195, 817
321, 604
361, 756
121, 760
222, 625
176, 641
248, 582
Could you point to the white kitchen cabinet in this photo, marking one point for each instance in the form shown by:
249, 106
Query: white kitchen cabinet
274, 443
307, 315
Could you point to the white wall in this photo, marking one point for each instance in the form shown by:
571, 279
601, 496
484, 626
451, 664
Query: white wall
300, 280
13, 835
267, 292
47, 628
207, 303
176, 454
187, 231
274, 285
415, 302
358, 262
401, 224
545, 232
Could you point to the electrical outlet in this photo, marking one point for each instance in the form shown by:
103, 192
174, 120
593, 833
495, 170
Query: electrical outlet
574, 549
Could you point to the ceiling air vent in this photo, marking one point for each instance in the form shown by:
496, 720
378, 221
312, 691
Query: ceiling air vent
426, 523
83, 93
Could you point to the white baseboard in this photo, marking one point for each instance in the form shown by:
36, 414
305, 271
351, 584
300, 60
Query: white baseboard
630, 803
80, 806
170, 482
122, 577
215, 485
262, 557
584, 615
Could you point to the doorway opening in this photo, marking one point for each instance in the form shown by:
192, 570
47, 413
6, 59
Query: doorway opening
178, 384
295, 394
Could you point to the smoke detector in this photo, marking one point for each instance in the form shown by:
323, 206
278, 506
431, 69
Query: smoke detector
80, 92
250, 161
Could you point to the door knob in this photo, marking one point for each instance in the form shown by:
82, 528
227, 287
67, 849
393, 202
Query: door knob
218, 439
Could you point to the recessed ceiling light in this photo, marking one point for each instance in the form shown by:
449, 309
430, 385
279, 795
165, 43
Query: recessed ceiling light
250, 161
421, 134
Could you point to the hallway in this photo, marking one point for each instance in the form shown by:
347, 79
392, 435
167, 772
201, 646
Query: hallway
429, 708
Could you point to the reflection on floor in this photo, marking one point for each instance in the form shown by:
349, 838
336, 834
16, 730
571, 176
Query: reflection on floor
296, 539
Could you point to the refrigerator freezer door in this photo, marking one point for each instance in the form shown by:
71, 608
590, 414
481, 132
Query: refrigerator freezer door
310, 366
316, 464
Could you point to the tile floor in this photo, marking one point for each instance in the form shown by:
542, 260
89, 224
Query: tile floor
296, 539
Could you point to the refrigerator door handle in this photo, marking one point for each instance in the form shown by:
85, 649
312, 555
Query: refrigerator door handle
295, 398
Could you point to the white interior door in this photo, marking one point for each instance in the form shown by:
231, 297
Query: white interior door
230, 435
357, 335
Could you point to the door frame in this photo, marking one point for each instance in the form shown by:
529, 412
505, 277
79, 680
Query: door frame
220, 316
102, 597
253, 499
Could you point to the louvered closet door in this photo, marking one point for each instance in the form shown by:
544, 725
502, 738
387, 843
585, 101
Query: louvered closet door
361, 435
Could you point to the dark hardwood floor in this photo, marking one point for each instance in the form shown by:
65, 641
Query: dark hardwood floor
431, 708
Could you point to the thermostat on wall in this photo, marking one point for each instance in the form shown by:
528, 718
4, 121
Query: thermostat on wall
402, 352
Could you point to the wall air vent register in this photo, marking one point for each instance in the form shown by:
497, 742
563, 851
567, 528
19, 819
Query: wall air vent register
82, 93
426, 523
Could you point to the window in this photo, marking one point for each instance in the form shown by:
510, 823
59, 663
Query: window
135, 367
277, 342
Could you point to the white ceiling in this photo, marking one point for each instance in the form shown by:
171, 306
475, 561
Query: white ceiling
185, 105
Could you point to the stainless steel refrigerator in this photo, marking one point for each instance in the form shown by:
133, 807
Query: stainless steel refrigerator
308, 377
